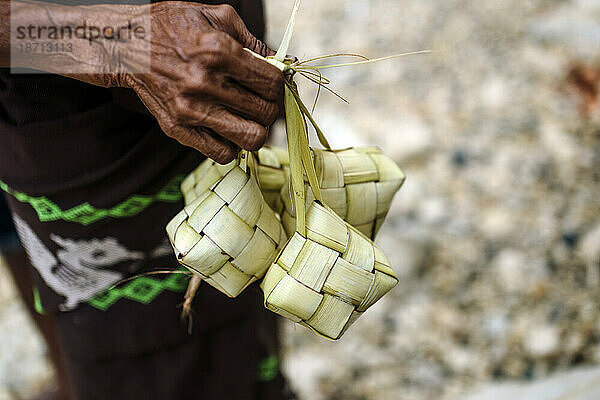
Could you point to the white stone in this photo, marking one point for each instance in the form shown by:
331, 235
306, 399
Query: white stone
510, 265
406, 137
579, 384
542, 341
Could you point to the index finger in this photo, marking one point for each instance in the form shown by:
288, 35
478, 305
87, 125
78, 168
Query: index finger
256, 75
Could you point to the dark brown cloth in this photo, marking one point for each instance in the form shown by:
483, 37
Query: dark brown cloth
67, 143
144, 352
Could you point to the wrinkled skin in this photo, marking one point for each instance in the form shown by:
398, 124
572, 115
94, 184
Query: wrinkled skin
203, 88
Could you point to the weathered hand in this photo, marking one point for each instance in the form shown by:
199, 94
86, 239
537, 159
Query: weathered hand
203, 88
189, 67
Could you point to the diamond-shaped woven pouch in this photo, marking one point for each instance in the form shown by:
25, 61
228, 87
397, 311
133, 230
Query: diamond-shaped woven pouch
272, 172
327, 279
228, 234
328, 273
203, 178
358, 184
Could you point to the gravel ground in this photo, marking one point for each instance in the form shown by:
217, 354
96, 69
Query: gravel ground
575, 384
496, 234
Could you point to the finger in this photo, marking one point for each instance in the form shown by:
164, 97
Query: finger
247, 134
218, 149
239, 100
225, 18
249, 104
206, 142
257, 75
209, 84
220, 53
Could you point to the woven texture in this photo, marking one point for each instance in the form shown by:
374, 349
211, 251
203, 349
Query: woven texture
328, 279
203, 178
273, 170
358, 184
272, 167
227, 234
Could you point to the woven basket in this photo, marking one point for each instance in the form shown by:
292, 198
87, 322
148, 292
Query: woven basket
328, 273
358, 184
272, 172
227, 234
327, 279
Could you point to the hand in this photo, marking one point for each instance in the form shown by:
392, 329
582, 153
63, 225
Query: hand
203, 88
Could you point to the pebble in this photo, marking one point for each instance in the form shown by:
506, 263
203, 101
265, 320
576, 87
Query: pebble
542, 341
510, 265
497, 222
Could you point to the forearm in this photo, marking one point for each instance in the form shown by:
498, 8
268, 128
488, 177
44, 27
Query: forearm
90, 42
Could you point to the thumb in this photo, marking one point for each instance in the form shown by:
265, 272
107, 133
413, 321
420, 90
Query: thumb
226, 19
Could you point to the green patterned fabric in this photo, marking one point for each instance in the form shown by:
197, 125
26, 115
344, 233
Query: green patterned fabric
142, 289
268, 368
86, 214
37, 302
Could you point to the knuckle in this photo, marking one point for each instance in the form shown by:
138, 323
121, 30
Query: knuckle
226, 11
182, 111
255, 138
197, 76
213, 38
224, 155
271, 113
201, 84
276, 85
215, 47
179, 108
201, 116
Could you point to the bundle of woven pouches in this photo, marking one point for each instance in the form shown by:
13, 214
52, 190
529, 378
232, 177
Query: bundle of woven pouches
303, 220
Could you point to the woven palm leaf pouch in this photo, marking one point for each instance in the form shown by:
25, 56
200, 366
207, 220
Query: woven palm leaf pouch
227, 234
358, 184
271, 172
203, 178
329, 272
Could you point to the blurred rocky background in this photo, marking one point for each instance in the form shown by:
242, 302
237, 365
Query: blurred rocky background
495, 235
